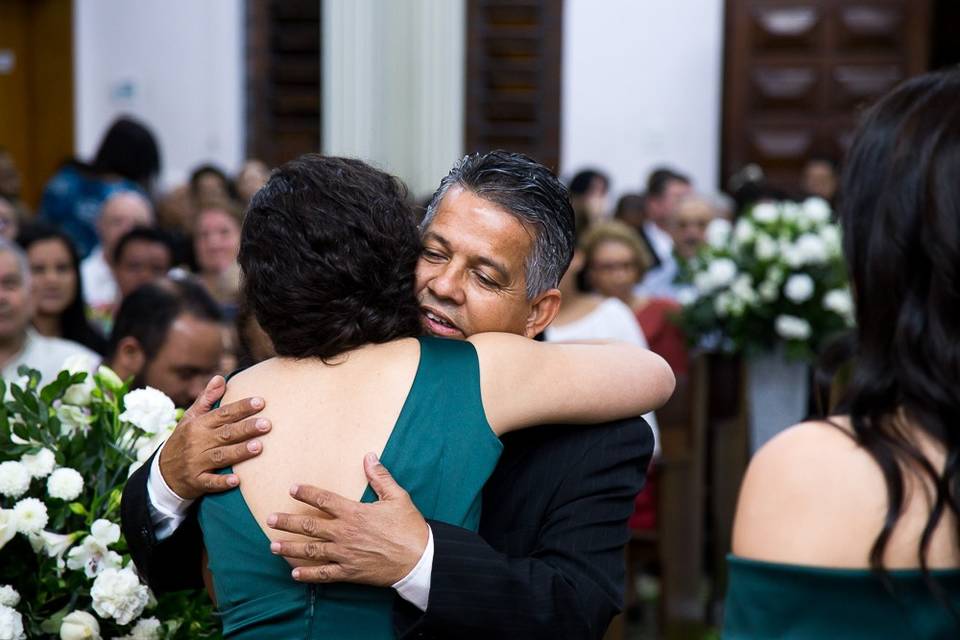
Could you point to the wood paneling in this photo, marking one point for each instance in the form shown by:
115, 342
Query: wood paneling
797, 73
513, 77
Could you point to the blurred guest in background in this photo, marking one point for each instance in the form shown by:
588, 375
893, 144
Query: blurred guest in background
20, 343
10, 187
128, 159
665, 189
209, 183
588, 195
689, 227
631, 210
848, 527
252, 175
57, 287
820, 177
216, 244
167, 336
9, 219
120, 213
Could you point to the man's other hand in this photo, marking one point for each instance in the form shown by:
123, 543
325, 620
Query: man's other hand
376, 543
205, 441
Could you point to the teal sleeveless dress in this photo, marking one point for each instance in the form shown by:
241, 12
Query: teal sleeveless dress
799, 602
441, 451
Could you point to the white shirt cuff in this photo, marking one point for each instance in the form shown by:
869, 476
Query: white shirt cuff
167, 509
415, 586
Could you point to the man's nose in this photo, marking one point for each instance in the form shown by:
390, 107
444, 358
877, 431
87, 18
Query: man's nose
447, 284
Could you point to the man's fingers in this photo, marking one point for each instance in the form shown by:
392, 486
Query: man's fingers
228, 455
233, 412
321, 499
205, 401
216, 483
241, 431
312, 526
380, 479
320, 574
316, 551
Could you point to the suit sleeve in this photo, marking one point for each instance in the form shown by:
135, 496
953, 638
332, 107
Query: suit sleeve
571, 585
172, 564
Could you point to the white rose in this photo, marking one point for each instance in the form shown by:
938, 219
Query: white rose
811, 249
9, 597
93, 557
14, 479
8, 526
722, 272
145, 629
765, 213
718, 233
792, 328
744, 231
11, 624
816, 210
79, 625
149, 410
118, 594
79, 394
72, 419
768, 291
799, 288
31, 515
39, 464
65, 484
840, 302
765, 247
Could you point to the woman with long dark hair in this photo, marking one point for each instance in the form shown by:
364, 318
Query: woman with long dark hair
848, 527
57, 287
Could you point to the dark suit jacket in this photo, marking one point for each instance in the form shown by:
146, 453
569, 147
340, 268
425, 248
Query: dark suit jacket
547, 562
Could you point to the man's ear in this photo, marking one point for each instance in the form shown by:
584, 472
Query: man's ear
128, 359
542, 312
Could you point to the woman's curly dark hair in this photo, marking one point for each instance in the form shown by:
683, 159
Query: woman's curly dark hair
328, 251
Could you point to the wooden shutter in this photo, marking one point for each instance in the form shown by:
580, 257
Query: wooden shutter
513, 77
798, 73
283, 79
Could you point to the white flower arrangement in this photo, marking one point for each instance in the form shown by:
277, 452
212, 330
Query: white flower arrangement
65, 451
776, 276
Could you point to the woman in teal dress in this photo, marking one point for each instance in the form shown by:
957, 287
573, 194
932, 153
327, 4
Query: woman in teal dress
850, 527
328, 253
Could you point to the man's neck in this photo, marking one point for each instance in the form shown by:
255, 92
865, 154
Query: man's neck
49, 326
11, 347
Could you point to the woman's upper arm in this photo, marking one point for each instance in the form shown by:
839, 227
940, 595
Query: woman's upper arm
526, 383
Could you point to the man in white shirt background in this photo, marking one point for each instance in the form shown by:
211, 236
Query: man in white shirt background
665, 190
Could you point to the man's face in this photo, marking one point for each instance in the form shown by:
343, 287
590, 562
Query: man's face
142, 262
662, 209
120, 214
8, 220
690, 227
819, 179
15, 302
471, 275
9, 176
189, 357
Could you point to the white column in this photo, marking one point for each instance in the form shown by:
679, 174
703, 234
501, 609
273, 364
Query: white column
393, 85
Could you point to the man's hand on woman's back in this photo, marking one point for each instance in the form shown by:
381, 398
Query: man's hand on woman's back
207, 440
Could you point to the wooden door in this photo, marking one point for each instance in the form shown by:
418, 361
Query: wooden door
798, 72
36, 88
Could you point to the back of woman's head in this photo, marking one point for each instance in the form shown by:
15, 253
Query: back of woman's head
900, 210
128, 149
328, 250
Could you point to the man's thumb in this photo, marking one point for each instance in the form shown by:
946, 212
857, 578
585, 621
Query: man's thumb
379, 478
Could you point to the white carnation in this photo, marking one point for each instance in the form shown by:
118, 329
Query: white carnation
118, 594
811, 249
703, 282
686, 296
792, 328
768, 291
39, 464
744, 231
830, 234
31, 515
11, 624
72, 419
8, 526
9, 597
791, 212
14, 479
742, 290
723, 304
765, 247
145, 629
722, 272
79, 625
65, 484
149, 410
816, 210
718, 233
766, 213
840, 302
799, 288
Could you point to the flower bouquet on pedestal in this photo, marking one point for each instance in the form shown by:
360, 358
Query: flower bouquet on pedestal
66, 451
772, 287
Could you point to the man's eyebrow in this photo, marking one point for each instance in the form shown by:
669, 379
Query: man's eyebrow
433, 235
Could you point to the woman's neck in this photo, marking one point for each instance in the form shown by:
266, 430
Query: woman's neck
576, 307
47, 325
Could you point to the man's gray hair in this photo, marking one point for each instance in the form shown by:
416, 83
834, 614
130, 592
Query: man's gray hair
528, 191
23, 264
